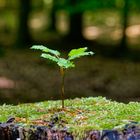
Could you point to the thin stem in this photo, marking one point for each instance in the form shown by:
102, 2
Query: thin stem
62, 72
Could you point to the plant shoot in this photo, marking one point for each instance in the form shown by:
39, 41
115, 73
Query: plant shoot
63, 63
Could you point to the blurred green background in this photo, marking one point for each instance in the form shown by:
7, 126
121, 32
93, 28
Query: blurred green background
110, 28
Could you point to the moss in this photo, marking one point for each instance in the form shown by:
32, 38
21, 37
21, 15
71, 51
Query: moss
80, 114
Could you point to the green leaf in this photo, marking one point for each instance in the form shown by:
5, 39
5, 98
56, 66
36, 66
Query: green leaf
45, 49
65, 63
50, 57
76, 53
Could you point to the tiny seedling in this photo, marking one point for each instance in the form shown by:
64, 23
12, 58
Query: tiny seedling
63, 63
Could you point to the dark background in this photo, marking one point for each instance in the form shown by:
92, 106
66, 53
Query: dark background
110, 28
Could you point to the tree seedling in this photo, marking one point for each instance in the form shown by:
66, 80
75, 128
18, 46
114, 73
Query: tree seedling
63, 63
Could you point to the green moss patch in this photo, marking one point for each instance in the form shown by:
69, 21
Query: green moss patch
79, 115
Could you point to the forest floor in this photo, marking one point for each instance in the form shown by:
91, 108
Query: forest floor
25, 77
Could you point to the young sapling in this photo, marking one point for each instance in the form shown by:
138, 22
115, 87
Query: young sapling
63, 63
